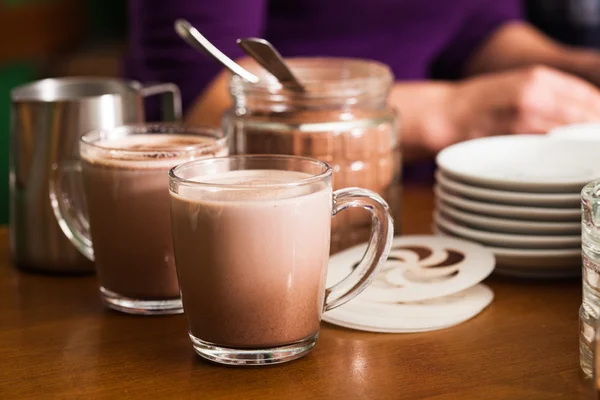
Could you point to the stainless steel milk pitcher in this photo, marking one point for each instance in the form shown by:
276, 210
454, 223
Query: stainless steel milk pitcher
47, 119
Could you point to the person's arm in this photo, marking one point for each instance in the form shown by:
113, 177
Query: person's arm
157, 54
209, 107
479, 24
526, 100
505, 90
424, 124
434, 114
519, 44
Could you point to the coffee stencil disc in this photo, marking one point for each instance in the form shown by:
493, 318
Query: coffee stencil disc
420, 267
428, 315
427, 283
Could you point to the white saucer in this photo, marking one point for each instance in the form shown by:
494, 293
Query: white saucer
587, 132
506, 239
508, 225
507, 197
558, 259
538, 259
529, 163
513, 212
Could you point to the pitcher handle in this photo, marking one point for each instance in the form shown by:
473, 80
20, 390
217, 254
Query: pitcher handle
67, 199
171, 110
380, 243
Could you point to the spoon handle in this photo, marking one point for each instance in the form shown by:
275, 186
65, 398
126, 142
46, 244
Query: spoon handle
266, 55
195, 39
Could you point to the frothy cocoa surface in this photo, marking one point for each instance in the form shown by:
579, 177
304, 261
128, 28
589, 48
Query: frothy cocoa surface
257, 185
252, 270
152, 150
128, 206
156, 142
258, 177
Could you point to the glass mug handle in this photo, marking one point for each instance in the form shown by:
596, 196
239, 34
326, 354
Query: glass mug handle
68, 204
171, 111
380, 243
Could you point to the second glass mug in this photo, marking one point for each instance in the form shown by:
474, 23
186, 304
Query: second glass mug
251, 236
121, 182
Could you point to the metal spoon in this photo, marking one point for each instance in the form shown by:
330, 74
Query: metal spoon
195, 39
266, 55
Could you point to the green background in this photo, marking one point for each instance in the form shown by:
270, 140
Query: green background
105, 20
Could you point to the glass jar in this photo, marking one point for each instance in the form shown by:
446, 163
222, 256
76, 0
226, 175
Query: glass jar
589, 312
343, 118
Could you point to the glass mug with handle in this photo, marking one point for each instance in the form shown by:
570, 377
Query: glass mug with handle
251, 236
122, 183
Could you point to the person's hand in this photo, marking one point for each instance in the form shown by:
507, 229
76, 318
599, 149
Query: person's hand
529, 100
583, 62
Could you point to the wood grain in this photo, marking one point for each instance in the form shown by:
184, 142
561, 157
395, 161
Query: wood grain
57, 341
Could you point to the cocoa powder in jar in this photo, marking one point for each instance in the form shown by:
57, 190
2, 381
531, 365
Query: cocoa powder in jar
361, 150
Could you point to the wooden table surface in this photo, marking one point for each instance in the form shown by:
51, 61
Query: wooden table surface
58, 341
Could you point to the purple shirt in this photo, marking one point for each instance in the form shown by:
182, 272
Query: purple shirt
418, 39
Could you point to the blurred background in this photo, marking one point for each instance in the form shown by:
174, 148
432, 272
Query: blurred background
49, 38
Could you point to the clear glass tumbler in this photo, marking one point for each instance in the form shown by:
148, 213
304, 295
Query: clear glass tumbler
589, 312
114, 206
251, 237
595, 365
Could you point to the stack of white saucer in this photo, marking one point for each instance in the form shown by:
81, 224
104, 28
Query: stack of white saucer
519, 196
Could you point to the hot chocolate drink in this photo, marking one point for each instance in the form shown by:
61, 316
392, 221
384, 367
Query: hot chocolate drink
252, 262
128, 204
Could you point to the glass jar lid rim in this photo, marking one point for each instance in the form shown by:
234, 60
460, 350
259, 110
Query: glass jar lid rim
322, 77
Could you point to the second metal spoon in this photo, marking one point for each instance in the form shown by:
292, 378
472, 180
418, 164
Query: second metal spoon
266, 55
195, 39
